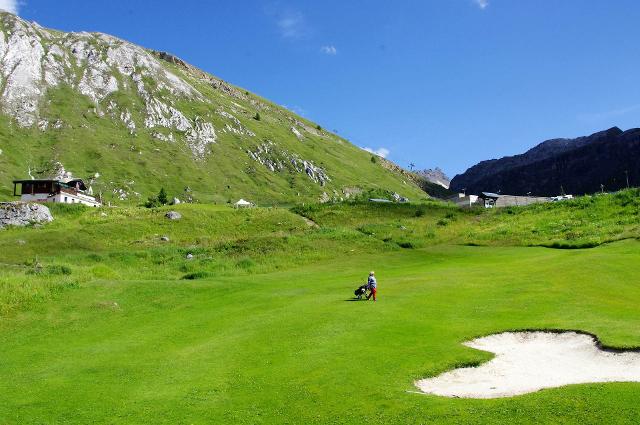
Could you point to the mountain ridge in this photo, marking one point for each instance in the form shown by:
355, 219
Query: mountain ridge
580, 165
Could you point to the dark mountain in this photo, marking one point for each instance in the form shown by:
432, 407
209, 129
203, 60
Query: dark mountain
574, 166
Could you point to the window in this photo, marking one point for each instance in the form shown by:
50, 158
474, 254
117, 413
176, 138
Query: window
66, 200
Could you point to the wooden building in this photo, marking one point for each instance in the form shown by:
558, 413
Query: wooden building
72, 191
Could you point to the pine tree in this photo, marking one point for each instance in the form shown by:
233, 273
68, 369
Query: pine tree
162, 197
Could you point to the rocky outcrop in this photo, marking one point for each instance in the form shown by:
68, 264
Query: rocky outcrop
173, 215
34, 59
589, 164
277, 159
23, 214
436, 176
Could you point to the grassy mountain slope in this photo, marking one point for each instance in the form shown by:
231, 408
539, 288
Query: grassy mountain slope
140, 120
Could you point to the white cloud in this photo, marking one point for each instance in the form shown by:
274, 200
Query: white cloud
482, 4
9, 6
291, 25
610, 114
297, 110
382, 152
329, 50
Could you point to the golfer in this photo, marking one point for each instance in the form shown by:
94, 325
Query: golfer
372, 284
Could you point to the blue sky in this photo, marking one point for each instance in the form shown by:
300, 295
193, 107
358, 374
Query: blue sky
434, 82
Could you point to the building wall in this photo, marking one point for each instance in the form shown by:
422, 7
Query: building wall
514, 201
61, 198
464, 201
38, 197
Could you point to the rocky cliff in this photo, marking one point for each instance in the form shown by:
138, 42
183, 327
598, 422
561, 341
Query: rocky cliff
436, 176
606, 159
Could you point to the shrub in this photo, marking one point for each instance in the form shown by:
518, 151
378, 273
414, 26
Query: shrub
245, 263
94, 257
196, 275
406, 245
257, 116
157, 201
374, 160
55, 270
420, 212
572, 245
366, 230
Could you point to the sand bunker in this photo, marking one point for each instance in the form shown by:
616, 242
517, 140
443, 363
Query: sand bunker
530, 361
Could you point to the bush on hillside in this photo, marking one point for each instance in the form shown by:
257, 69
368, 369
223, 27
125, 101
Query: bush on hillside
158, 200
55, 270
196, 275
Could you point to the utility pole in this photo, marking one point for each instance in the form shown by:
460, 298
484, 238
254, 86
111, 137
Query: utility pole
626, 173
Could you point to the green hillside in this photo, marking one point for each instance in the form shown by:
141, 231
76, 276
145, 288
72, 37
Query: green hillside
141, 120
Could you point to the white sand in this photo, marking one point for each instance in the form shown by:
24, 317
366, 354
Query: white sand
530, 361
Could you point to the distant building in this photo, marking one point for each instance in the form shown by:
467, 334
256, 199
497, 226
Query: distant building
495, 200
243, 204
463, 200
561, 198
63, 191
489, 200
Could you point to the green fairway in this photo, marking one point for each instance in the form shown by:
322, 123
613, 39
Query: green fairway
260, 337
287, 347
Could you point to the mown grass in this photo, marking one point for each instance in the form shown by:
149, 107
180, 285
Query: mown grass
103, 322
286, 347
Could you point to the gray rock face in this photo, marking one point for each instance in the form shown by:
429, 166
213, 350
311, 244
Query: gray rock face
436, 176
276, 159
21, 214
34, 59
173, 215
